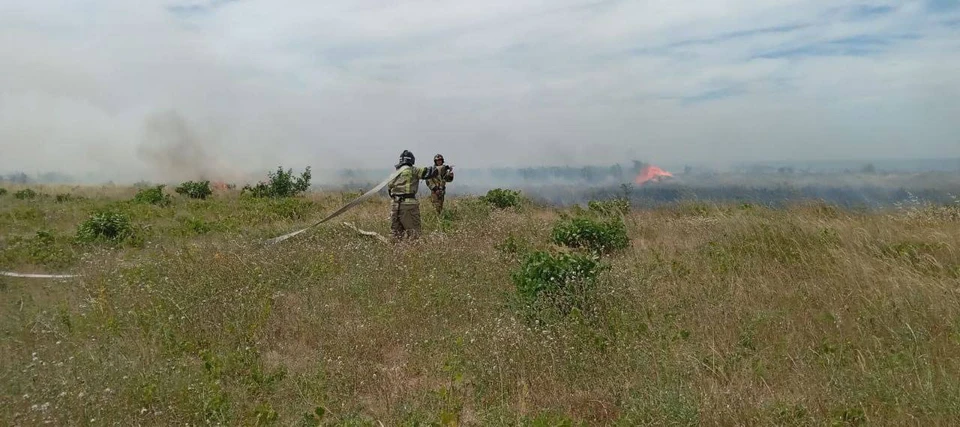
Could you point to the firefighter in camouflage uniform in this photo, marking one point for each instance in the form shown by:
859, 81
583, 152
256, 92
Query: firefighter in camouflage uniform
438, 184
405, 209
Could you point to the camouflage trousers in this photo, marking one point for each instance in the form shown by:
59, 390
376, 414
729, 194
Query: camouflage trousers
436, 197
405, 220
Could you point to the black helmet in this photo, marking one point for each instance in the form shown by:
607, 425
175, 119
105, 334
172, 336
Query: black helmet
438, 157
406, 158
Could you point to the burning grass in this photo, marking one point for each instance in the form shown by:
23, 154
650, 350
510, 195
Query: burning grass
713, 314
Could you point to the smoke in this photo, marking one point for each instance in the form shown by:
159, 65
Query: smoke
172, 90
174, 149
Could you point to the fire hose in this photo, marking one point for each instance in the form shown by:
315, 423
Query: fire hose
337, 212
274, 240
38, 276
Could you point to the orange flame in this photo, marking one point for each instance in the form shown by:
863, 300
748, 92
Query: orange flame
651, 173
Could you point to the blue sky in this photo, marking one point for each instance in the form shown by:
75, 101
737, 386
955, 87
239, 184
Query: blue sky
353, 83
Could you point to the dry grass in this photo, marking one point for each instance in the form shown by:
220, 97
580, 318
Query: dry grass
715, 315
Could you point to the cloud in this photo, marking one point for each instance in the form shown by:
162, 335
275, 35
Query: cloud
351, 84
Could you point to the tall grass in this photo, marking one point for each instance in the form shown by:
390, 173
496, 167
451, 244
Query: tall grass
713, 315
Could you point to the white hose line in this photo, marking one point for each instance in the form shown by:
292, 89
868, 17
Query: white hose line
373, 234
38, 276
342, 209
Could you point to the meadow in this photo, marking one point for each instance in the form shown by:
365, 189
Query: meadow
501, 314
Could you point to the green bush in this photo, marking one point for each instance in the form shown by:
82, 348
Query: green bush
616, 207
65, 197
560, 282
195, 190
25, 194
195, 225
3, 191
280, 184
594, 235
109, 226
502, 198
153, 195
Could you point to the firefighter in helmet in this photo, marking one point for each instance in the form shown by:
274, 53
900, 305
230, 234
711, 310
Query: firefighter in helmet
405, 209
438, 184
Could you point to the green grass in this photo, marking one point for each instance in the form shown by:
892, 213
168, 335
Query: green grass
711, 315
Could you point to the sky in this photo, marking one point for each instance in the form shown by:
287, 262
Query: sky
171, 89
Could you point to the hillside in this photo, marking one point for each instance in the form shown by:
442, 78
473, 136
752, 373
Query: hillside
711, 315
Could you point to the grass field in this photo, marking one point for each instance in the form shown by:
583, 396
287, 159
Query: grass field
711, 315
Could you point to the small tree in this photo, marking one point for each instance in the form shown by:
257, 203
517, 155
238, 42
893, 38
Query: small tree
25, 194
109, 226
153, 195
281, 184
195, 190
502, 198
596, 236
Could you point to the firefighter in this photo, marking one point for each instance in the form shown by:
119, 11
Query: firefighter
438, 184
405, 209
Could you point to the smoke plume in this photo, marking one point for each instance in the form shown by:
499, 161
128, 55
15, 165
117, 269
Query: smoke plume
175, 150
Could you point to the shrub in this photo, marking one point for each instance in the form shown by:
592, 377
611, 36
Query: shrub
195, 190
502, 198
110, 226
619, 206
153, 195
594, 235
25, 194
195, 226
3, 191
560, 282
281, 184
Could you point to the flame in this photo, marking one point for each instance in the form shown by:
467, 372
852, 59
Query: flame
651, 172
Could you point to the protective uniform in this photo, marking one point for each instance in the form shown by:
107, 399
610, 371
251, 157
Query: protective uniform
405, 209
438, 184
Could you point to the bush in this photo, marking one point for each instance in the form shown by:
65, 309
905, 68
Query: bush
280, 184
109, 226
558, 282
153, 195
615, 207
3, 191
195, 226
502, 198
25, 194
195, 190
597, 236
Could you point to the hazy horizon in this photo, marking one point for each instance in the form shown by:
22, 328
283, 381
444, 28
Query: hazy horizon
225, 88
